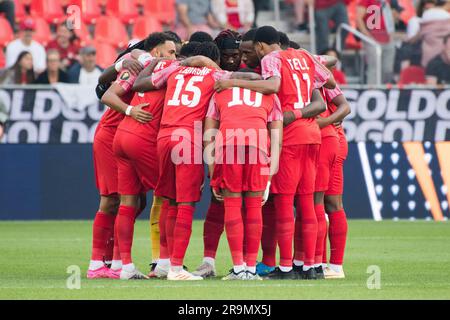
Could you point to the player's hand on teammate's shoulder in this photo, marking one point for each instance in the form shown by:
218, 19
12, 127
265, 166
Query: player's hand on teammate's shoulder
224, 84
141, 115
133, 66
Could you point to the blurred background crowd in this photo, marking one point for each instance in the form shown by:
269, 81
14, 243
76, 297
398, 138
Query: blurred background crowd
43, 41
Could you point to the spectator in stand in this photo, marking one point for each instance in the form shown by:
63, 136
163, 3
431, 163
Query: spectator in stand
377, 23
438, 70
54, 72
194, 15
25, 42
413, 27
326, 11
7, 7
236, 15
434, 26
21, 72
259, 5
200, 36
300, 7
86, 71
338, 74
67, 44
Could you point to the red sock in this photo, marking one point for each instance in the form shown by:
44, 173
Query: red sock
284, 205
110, 244
308, 221
213, 228
101, 230
268, 238
325, 247
182, 234
253, 229
299, 254
125, 231
116, 251
244, 242
163, 250
321, 232
234, 228
171, 219
338, 236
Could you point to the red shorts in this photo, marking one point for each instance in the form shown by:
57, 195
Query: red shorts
105, 166
179, 179
297, 170
137, 163
336, 183
244, 172
327, 156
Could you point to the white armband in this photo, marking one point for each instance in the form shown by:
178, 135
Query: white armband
128, 111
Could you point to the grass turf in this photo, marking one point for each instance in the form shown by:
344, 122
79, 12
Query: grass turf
413, 258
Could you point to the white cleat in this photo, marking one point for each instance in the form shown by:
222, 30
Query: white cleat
205, 270
132, 275
160, 271
182, 275
253, 276
331, 274
241, 275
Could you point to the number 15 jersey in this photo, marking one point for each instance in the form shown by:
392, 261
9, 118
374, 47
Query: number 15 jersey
300, 74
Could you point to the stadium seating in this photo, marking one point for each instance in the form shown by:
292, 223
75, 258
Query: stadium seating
19, 10
110, 29
106, 54
6, 32
164, 10
409, 10
144, 26
351, 42
42, 34
412, 75
90, 9
125, 10
84, 35
51, 10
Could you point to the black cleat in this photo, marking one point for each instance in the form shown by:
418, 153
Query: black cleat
309, 275
277, 274
319, 272
152, 266
298, 270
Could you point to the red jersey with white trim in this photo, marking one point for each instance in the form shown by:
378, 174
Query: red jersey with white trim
329, 95
112, 118
244, 113
330, 130
300, 74
188, 92
155, 99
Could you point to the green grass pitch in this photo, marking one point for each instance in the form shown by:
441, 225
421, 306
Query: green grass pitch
413, 257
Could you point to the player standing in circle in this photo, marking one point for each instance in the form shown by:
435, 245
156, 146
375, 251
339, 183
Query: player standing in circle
240, 170
294, 75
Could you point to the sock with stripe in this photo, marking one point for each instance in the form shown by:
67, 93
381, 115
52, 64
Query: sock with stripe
285, 227
234, 228
213, 228
253, 229
182, 234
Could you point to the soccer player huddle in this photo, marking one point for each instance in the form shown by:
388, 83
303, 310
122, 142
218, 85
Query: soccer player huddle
264, 116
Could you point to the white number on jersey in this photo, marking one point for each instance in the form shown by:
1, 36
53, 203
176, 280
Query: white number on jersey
190, 87
300, 104
247, 100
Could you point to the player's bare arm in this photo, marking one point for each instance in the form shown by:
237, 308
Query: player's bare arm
329, 61
343, 110
144, 82
199, 61
316, 107
276, 141
110, 73
112, 98
269, 86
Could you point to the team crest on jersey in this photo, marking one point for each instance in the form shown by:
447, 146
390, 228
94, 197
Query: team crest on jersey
125, 76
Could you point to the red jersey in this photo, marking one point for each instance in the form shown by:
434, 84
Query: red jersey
244, 111
188, 92
329, 95
155, 99
112, 118
300, 74
329, 130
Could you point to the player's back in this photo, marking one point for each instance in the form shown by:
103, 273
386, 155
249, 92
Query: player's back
188, 93
297, 84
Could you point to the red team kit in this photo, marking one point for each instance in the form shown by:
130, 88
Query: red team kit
274, 147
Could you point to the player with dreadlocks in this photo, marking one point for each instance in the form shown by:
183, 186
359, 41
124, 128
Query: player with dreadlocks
228, 42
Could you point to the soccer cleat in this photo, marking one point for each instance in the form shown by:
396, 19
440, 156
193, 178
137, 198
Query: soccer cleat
298, 270
159, 272
114, 274
277, 274
205, 270
263, 269
99, 273
133, 275
241, 275
182, 275
253, 276
319, 272
310, 274
331, 274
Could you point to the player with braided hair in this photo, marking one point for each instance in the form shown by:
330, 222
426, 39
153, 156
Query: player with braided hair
228, 42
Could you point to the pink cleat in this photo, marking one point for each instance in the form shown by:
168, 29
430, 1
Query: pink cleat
99, 273
113, 274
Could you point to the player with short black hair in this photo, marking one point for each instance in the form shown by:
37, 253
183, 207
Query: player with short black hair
228, 42
208, 49
188, 49
284, 40
200, 36
294, 45
249, 56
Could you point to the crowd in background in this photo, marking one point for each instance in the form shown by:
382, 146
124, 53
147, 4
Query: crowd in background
421, 54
